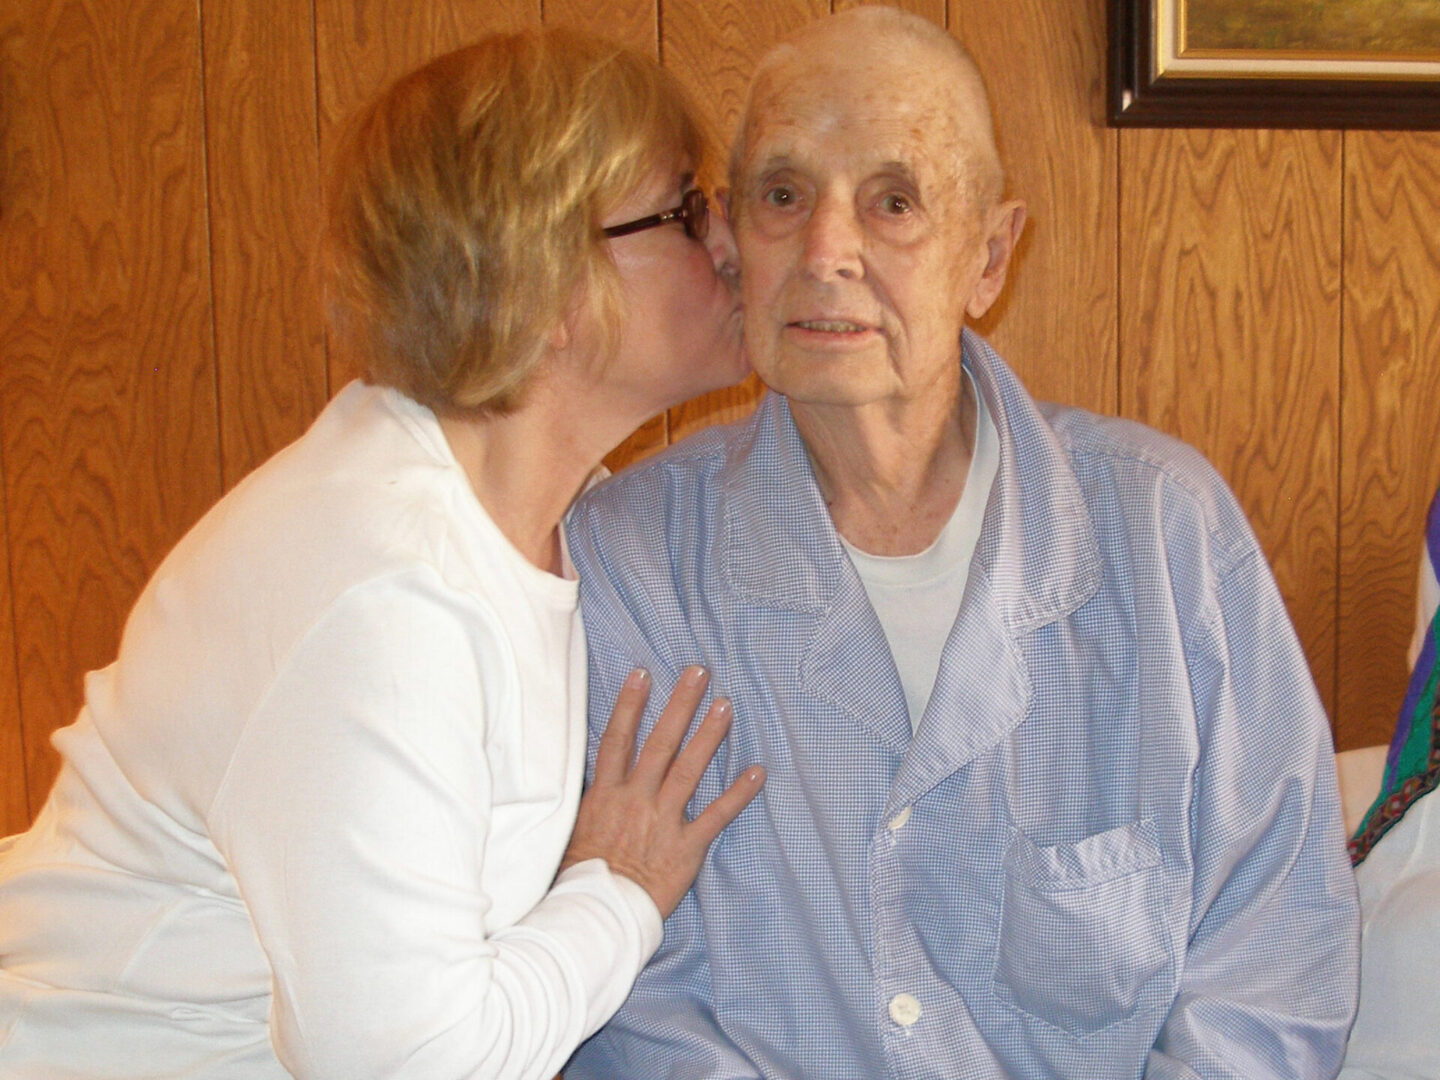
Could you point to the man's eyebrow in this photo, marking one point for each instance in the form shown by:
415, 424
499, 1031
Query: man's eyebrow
771, 164
903, 169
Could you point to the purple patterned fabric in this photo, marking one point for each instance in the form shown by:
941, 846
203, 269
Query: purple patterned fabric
1412, 765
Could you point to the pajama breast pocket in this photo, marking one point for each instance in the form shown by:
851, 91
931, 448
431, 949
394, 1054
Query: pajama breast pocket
1082, 943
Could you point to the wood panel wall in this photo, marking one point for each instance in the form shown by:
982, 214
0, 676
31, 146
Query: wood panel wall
1272, 297
1230, 334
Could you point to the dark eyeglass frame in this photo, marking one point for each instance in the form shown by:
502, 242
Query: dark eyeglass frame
693, 213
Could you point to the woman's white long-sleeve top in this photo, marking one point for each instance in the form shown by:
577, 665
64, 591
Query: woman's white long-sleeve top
309, 820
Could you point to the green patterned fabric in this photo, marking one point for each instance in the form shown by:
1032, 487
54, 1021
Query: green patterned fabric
1412, 766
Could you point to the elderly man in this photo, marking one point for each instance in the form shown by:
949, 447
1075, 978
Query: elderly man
1050, 791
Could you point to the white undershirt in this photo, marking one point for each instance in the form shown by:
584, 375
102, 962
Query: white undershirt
917, 597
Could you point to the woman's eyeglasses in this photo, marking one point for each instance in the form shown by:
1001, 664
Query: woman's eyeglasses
693, 213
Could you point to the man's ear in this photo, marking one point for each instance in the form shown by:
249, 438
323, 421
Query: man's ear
1006, 223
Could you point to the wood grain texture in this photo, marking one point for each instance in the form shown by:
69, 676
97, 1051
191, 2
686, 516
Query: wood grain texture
362, 45
1230, 330
934, 10
1056, 322
14, 800
14, 803
107, 392
712, 46
1390, 449
633, 23
264, 211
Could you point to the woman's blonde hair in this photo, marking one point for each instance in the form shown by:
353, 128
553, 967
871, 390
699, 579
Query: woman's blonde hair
465, 206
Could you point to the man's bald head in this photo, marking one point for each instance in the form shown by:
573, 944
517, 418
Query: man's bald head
884, 45
866, 205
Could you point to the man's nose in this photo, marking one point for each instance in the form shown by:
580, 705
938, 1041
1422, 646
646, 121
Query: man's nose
834, 241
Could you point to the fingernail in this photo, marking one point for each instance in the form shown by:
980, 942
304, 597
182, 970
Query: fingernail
695, 675
754, 773
720, 707
637, 679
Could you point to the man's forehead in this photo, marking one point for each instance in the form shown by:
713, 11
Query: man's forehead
883, 99
863, 135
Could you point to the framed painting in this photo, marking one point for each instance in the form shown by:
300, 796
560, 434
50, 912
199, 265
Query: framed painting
1275, 63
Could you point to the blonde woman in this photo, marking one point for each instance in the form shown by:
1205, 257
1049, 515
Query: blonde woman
309, 822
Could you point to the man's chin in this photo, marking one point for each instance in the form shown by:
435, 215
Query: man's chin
824, 380
846, 396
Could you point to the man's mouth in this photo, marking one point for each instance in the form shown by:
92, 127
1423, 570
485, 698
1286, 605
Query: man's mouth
830, 326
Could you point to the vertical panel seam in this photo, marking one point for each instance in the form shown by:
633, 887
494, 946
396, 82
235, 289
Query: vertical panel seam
320, 195
209, 243
667, 436
1119, 283
7, 537
1336, 722
14, 616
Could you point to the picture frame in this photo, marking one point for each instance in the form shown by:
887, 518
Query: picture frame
1160, 77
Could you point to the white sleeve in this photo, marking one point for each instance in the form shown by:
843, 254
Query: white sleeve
355, 817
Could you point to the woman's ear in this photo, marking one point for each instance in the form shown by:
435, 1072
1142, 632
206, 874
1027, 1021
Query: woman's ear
558, 340
569, 330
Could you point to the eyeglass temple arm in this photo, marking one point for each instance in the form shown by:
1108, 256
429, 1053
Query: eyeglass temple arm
645, 223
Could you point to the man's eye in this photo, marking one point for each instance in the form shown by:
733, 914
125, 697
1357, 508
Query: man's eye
779, 196
895, 204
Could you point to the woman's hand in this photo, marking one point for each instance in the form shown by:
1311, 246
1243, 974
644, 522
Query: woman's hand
633, 816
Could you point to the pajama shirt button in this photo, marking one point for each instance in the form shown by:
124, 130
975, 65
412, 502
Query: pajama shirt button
904, 1009
898, 821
